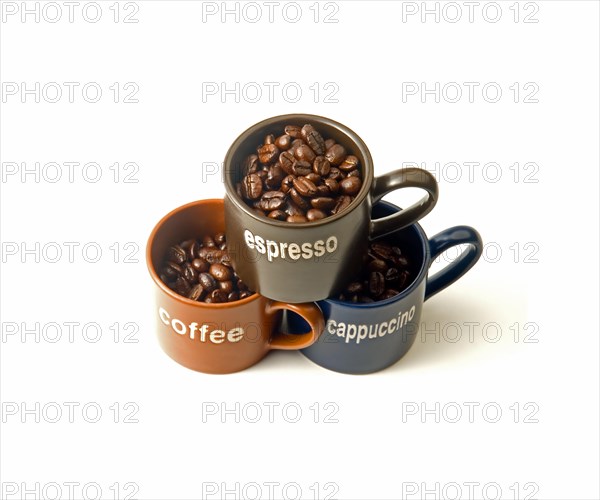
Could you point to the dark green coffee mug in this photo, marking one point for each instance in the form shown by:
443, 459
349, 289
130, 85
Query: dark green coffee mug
304, 262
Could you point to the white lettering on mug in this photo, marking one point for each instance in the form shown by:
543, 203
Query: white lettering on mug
294, 251
357, 333
200, 332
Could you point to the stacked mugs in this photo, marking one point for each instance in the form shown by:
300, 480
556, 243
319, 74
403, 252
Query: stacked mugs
301, 231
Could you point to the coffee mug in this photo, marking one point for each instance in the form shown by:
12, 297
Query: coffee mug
303, 262
216, 338
365, 338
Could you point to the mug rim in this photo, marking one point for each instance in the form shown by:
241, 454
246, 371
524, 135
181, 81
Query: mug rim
368, 170
416, 282
163, 286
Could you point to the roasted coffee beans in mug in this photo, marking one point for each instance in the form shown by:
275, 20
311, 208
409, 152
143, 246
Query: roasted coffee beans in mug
385, 274
201, 270
300, 176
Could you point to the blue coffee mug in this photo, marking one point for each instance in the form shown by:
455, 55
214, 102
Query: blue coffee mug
365, 338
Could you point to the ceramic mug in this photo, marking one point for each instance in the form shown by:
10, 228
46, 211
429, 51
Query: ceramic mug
303, 262
364, 338
216, 338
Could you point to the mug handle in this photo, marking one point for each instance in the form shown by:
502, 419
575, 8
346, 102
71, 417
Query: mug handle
441, 242
311, 313
398, 179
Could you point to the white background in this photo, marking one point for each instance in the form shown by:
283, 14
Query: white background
540, 267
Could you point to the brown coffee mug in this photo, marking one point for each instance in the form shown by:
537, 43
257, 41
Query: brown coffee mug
303, 262
216, 338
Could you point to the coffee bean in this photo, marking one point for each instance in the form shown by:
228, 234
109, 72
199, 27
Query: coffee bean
274, 176
335, 174
250, 165
315, 214
218, 296
381, 278
293, 131
321, 166
244, 294
287, 160
272, 200
341, 204
277, 215
313, 139
200, 265
377, 265
220, 272
267, 153
209, 242
305, 187
262, 174
215, 255
391, 276
323, 203
296, 143
301, 168
204, 271
376, 283
323, 190
177, 254
301, 203
226, 259
400, 261
182, 286
292, 209
192, 250
207, 281
189, 273
219, 238
350, 163
332, 185
354, 288
336, 154
403, 279
383, 251
252, 187
196, 292
305, 153
172, 270
226, 286
302, 159
283, 142
350, 185
287, 183
296, 218
314, 178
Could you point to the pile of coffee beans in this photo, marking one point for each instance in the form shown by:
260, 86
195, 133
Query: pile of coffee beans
201, 270
300, 176
385, 274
